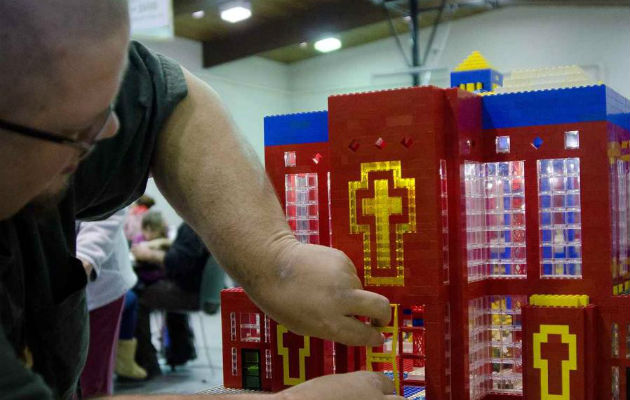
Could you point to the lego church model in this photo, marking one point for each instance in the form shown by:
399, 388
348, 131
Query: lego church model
495, 216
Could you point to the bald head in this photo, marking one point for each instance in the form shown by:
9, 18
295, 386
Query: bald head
37, 38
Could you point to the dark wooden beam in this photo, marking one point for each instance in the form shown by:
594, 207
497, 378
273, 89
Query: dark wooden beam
326, 17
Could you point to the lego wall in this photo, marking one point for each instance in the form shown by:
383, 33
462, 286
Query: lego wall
510, 38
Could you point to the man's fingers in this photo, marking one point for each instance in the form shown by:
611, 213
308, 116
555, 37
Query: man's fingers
382, 383
371, 305
352, 332
393, 397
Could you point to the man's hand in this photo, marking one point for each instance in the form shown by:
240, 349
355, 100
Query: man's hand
355, 386
318, 293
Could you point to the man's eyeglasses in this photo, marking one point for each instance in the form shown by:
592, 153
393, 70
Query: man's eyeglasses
85, 142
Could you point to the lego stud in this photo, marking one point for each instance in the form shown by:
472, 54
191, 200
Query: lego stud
380, 143
317, 158
289, 159
502, 144
407, 141
537, 143
354, 145
572, 140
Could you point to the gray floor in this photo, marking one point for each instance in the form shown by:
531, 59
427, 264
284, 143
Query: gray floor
198, 375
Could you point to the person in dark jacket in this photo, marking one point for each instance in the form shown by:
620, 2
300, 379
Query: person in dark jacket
178, 292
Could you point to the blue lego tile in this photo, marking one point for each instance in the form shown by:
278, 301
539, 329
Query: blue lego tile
409, 392
296, 128
414, 393
418, 322
545, 107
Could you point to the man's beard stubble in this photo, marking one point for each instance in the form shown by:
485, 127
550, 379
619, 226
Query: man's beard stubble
48, 200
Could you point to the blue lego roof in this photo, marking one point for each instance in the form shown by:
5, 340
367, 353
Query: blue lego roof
555, 106
617, 108
296, 128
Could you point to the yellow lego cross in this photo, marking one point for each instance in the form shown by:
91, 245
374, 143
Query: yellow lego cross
381, 207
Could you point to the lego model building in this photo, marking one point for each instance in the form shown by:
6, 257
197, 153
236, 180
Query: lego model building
494, 215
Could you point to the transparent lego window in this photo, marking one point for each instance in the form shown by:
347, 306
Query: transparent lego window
302, 208
474, 193
506, 340
572, 140
495, 220
234, 362
444, 215
505, 219
560, 218
290, 159
250, 327
614, 339
620, 225
478, 348
232, 326
268, 365
502, 144
615, 389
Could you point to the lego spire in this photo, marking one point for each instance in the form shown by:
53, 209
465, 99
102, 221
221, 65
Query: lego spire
475, 74
474, 61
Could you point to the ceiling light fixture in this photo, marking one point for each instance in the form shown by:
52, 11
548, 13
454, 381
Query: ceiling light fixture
199, 14
235, 11
328, 44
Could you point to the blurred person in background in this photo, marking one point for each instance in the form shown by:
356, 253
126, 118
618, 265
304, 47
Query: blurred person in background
178, 292
153, 235
102, 249
133, 223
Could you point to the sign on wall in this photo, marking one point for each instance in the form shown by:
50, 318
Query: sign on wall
151, 19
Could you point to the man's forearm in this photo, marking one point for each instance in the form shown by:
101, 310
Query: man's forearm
213, 179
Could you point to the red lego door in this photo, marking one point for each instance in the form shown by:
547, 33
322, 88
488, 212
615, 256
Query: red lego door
559, 352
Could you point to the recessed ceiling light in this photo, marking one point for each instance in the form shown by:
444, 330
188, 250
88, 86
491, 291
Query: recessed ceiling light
235, 11
199, 14
328, 44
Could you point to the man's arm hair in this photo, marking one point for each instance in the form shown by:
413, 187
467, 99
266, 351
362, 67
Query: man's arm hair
213, 178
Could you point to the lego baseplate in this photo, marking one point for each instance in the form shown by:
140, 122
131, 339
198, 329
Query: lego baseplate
223, 390
410, 393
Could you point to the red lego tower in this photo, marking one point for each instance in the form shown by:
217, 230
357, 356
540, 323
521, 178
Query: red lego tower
497, 223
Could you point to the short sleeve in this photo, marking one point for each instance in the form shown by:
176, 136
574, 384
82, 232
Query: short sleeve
116, 173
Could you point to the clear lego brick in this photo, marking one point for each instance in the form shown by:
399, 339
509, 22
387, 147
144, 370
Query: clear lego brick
290, 159
572, 140
502, 144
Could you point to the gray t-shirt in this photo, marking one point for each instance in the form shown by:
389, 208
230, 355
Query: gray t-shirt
42, 285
